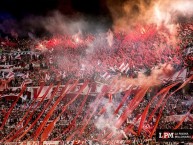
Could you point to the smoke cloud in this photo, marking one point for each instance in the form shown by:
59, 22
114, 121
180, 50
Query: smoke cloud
54, 23
134, 12
158, 75
108, 119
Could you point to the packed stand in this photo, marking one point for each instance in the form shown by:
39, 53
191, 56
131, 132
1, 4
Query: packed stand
87, 60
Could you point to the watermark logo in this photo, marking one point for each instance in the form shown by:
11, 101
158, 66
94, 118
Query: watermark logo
167, 135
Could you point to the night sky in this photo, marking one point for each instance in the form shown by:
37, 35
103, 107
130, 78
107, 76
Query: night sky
22, 8
93, 11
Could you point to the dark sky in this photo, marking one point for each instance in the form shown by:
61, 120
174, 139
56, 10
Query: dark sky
21, 8
93, 11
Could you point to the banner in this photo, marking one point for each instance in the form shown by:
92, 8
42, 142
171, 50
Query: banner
53, 143
95, 89
22, 143
43, 92
33, 143
176, 118
10, 143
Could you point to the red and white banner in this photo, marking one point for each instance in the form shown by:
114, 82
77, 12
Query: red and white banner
53, 143
22, 143
18, 56
9, 143
33, 143
10, 75
25, 82
95, 88
43, 91
106, 76
176, 118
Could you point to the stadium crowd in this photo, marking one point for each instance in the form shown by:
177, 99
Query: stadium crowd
174, 107
52, 62
30, 64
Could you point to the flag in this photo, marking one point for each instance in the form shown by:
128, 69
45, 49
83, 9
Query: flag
27, 75
63, 75
24, 97
10, 75
51, 60
42, 92
47, 77
25, 82
18, 56
4, 58
112, 69
127, 69
124, 68
106, 76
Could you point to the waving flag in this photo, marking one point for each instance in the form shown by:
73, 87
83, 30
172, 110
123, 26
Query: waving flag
10, 75
106, 76
18, 56
25, 82
47, 77
42, 92
122, 66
